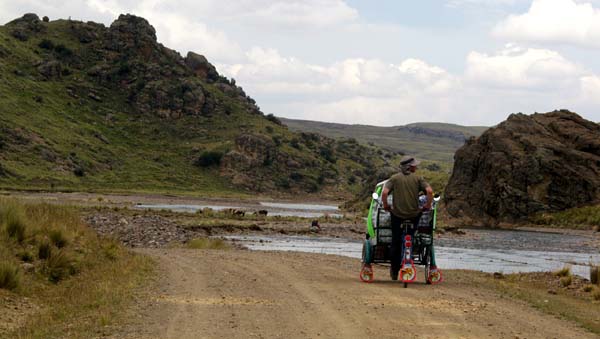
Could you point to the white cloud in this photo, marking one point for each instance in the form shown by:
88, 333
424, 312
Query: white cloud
555, 21
514, 67
459, 3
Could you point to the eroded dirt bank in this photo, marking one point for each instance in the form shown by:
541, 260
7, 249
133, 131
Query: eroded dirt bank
244, 294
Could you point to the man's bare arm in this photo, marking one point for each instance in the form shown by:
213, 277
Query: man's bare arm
384, 198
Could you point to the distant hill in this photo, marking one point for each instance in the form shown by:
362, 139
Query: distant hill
89, 107
431, 141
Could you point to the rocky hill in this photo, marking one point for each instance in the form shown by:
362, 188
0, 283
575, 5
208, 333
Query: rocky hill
84, 106
527, 164
431, 141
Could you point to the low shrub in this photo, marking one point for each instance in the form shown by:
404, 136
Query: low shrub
9, 276
588, 288
563, 272
207, 243
273, 119
58, 238
46, 44
566, 281
209, 158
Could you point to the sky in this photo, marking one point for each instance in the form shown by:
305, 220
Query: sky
379, 62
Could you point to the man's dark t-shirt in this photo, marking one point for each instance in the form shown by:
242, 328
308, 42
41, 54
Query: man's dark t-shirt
405, 189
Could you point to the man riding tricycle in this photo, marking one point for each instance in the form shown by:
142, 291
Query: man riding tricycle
400, 227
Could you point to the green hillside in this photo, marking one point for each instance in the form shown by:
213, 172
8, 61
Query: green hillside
431, 141
89, 107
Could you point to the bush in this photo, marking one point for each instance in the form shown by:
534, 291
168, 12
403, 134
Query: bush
563, 272
273, 119
9, 276
44, 249
566, 281
63, 51
588, 288
209, 158
46, 44
58, 238
434, 167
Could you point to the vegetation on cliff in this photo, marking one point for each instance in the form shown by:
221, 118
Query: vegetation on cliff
89, 107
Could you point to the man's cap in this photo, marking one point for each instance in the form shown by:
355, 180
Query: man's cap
409, 161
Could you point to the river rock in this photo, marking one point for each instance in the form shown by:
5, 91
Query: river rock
526, 164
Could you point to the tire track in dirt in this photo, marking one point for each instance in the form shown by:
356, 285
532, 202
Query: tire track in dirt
244, 294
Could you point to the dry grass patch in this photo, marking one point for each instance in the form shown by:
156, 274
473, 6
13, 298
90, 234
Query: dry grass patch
82, 283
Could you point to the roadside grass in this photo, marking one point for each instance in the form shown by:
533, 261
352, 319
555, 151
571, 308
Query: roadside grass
208, 243
570, 302
580, 218
82, 283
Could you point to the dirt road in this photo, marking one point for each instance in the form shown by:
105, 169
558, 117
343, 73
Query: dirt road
244, 294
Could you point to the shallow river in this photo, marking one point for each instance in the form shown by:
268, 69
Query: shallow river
482, 250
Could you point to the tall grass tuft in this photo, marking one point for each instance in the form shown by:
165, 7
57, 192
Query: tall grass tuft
44, 249
563, 272
59, 266
14, 223
58, 238
9, 276
595, 275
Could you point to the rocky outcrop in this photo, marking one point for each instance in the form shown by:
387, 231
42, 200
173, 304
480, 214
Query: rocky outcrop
26, 26
527, 164
201, 67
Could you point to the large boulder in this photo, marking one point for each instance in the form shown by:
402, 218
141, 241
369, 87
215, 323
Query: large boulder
527, 164
201, 67
133, 35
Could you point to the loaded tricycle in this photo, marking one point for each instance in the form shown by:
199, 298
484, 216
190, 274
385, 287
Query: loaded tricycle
416, 250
